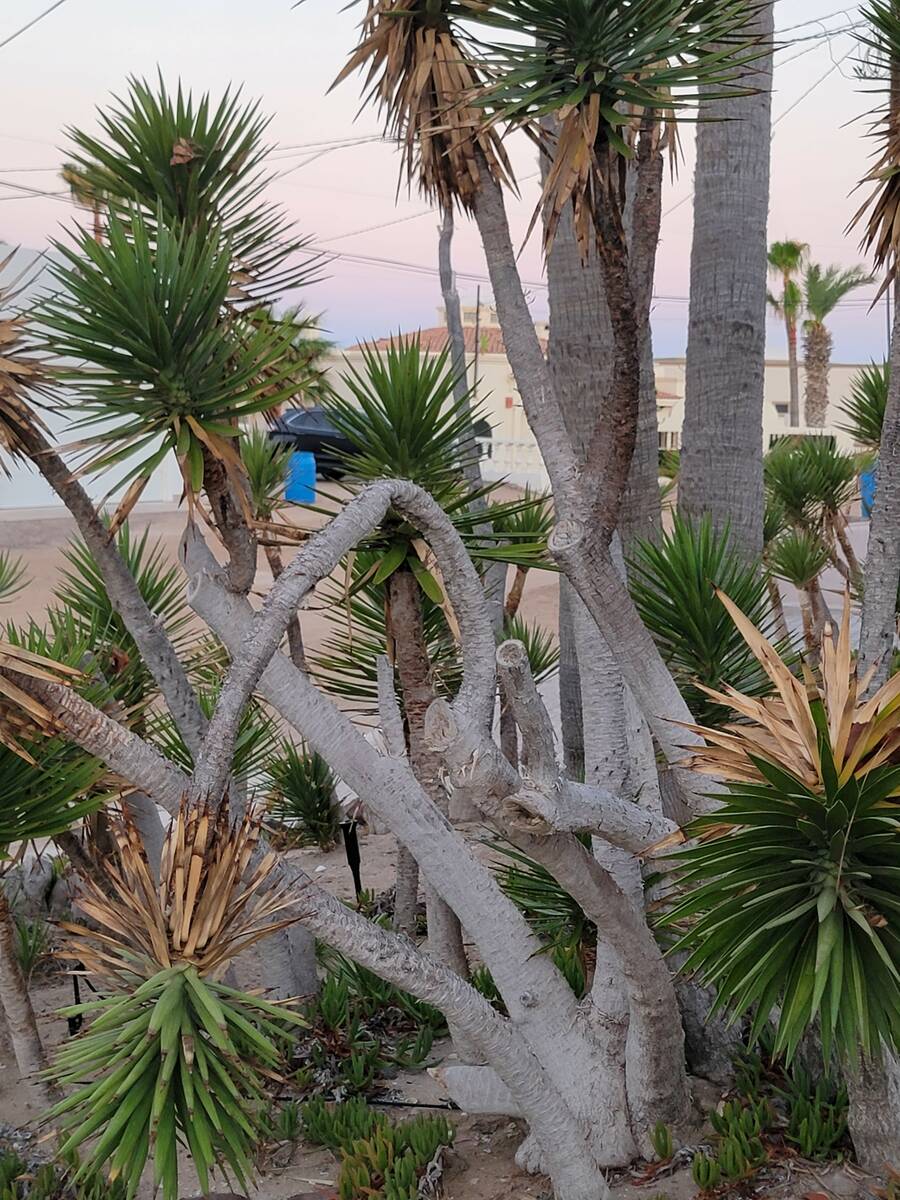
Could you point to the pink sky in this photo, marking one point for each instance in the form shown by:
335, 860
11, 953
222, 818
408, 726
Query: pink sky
66, 65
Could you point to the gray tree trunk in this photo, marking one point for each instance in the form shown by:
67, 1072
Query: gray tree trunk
882, 575
445, 940
468, 447
721, 456
19, 1014
874, 1090
155, 648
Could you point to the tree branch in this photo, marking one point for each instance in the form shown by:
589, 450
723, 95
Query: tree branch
316, 560
150, 637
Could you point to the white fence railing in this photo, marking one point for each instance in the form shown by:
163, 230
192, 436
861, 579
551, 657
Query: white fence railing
518, 461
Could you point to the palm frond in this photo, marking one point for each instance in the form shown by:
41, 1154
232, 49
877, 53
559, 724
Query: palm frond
788, 900
825, 287
420, 75
865, 406
597, 68
673, 581
196, 164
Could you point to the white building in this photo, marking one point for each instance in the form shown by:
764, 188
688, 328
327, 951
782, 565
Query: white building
513, 452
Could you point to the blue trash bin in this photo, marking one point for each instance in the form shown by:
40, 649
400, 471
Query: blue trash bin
301, 481
867, 484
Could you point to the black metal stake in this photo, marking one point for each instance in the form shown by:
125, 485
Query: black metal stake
351, 849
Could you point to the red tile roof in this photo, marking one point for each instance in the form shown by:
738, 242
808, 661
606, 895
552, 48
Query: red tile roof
490, 340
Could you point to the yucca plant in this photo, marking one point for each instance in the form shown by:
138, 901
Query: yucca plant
302, 802
346, 662
408, 422
418, 72
24, 378
864, 408
595, 67
195, 164
266, 464
673, 581
786, 901
530, 525
12, 576
257, 738
172, 1055
82, 592
163, 367
799, 556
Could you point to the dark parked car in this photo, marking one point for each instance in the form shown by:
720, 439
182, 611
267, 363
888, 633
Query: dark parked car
311, 429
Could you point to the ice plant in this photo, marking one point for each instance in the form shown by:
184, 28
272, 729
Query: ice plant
173, 1055
789, 903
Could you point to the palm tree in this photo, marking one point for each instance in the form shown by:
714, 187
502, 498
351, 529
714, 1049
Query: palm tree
722, 444
785, 262
85, 193
865, 407
823, 290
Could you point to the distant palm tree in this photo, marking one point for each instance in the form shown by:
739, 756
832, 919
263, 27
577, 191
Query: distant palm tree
84, 193
786, 260
823, 290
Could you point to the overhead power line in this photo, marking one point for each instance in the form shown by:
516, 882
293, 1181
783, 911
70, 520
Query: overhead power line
34, 20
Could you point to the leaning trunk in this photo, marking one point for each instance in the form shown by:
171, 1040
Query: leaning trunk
817, 351
20, 1022
155, 648
722, 440
879, 614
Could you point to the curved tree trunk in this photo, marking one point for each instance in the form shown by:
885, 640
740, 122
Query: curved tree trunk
882, 571
817, 360
721, 455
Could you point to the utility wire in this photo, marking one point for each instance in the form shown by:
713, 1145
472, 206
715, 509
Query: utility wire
831, 70
46, 13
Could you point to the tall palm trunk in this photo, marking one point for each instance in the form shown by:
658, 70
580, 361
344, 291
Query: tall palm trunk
721, 457
882, 571
817, 360
19, 1014
793, 372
